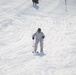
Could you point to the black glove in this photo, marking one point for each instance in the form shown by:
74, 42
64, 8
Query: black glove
43, 37
33, 38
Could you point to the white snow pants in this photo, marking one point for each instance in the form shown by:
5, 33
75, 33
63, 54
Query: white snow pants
36, 45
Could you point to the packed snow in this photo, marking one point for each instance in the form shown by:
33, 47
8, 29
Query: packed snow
19, 19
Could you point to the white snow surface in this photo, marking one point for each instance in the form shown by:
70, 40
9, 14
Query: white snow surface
19, 19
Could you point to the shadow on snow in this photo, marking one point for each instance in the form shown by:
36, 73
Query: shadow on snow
40, 54
36, 7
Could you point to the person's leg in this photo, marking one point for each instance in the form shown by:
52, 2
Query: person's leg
33, 3
36, 44
41, 46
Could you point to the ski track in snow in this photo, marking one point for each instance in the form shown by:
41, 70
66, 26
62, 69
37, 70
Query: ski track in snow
18, 21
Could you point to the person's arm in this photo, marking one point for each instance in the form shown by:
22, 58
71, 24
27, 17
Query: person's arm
43, 36
33, 36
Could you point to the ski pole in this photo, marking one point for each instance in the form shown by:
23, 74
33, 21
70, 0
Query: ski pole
33, 43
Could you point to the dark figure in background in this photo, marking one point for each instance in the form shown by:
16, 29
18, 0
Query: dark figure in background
35, 2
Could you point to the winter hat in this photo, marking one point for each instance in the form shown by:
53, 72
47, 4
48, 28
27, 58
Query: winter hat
39, 29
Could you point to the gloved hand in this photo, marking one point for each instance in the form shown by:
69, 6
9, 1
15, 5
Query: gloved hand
33, 38
43, 37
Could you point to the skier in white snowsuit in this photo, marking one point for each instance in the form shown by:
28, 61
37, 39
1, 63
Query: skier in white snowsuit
38, 36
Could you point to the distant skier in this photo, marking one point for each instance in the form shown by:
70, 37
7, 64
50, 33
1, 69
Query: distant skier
38, 36
35, 2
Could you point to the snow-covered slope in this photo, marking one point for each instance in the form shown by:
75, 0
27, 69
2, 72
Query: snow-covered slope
19, 19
